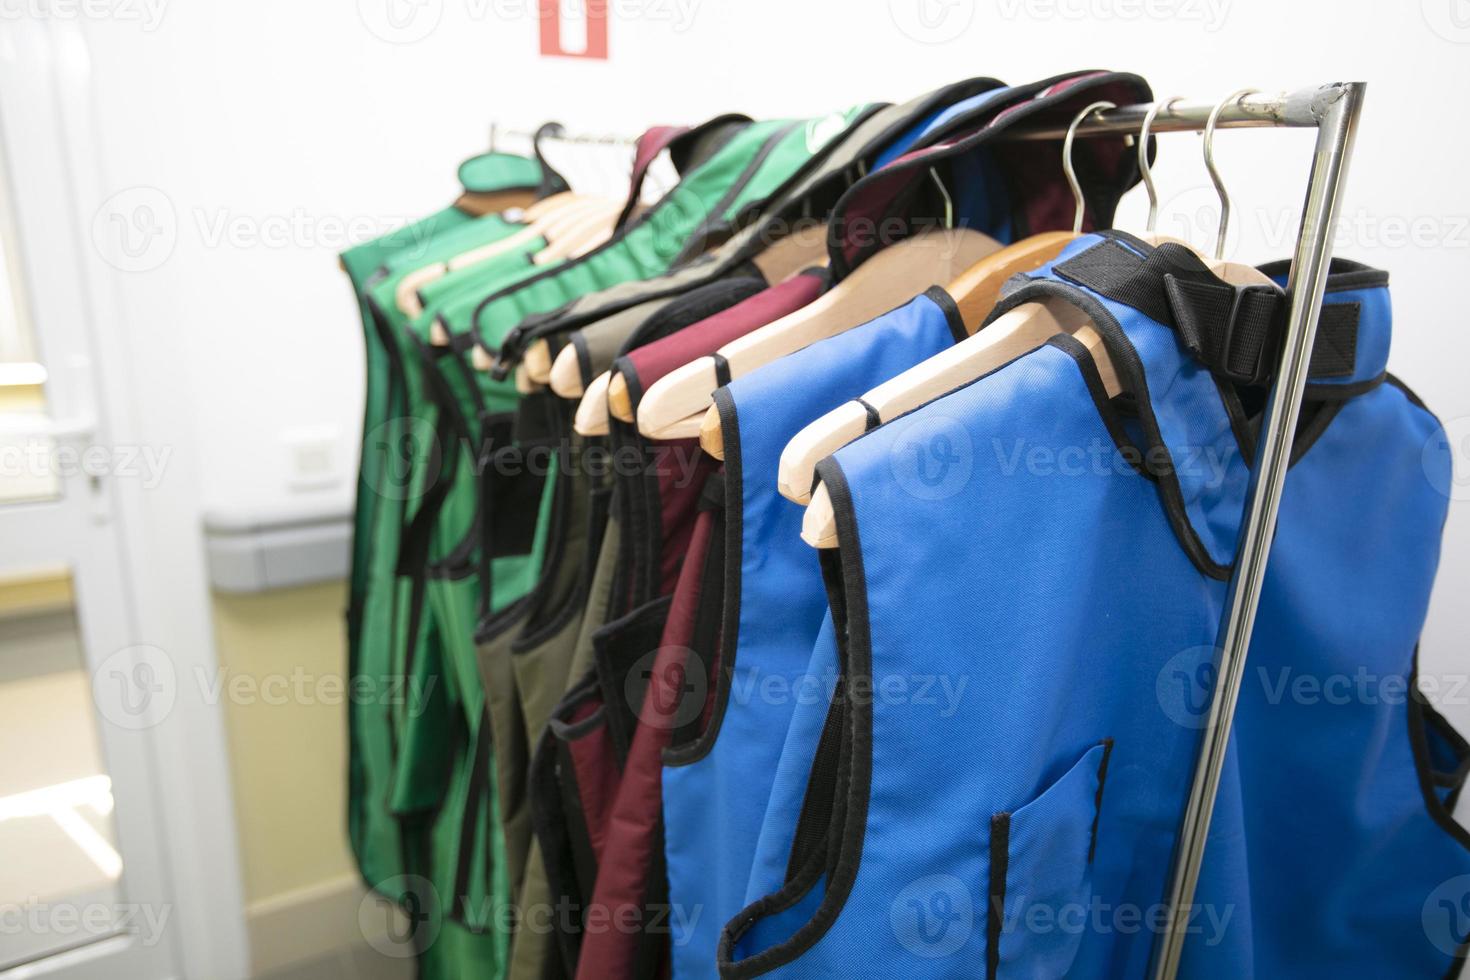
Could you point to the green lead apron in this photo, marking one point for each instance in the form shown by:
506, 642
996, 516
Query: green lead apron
389, 838
425, 631
529, 651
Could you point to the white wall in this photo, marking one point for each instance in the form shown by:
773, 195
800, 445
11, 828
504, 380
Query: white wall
274, 111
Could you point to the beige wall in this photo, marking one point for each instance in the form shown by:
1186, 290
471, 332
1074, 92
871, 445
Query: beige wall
288, 755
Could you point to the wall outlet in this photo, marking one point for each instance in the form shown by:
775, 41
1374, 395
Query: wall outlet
312, 458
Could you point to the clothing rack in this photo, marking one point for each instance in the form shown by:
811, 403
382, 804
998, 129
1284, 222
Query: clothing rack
1334, 111
555, 132
598, 163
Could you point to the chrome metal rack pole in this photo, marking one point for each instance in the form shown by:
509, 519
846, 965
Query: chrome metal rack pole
1334, 111
1336, 131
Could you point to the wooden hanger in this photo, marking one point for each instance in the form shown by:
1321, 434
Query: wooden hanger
902, 270
1009, 337
549, 223
537, 361
406, 296
591, 416
481, 203
591, 229
619, 399
805, 247
566, 373
975, 292
1013, 335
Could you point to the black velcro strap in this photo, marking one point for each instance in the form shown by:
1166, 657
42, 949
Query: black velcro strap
874, 419
712, 497
1335, 354
722, 370
1235, 331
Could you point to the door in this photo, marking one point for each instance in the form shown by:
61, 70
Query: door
83, 882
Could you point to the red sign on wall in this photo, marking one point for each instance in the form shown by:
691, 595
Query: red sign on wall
590, 14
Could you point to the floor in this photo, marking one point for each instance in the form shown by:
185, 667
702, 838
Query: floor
56, 827
364, 963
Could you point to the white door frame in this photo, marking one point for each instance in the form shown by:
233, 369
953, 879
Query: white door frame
121, 399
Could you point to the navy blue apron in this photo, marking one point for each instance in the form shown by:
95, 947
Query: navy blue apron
1060, 558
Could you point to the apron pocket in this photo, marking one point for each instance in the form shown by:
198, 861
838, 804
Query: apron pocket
1041, 874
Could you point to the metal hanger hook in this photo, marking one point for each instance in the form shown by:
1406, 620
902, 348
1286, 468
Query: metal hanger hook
1070, 170
948, 201
1229, 100
1145, 169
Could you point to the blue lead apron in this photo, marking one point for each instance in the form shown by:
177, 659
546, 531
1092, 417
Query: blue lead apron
715, 786
979, 837
716, 789
1332, 840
